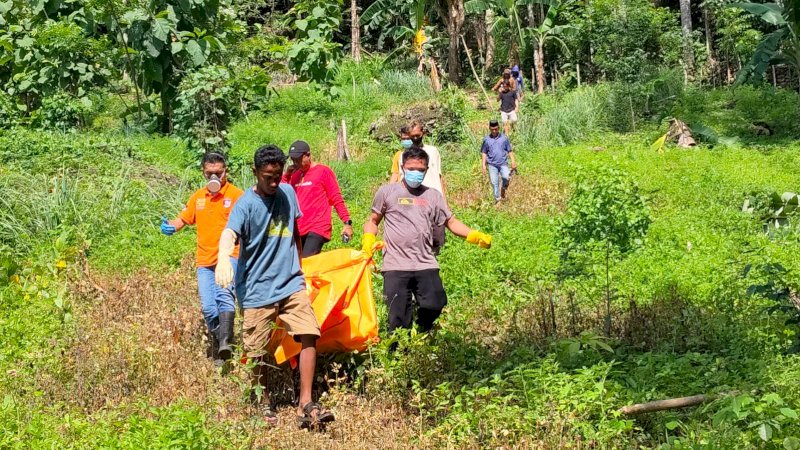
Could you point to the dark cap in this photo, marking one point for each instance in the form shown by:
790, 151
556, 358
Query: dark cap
493, 123
298, 149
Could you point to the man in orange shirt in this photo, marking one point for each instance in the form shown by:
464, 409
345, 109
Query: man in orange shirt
209, 208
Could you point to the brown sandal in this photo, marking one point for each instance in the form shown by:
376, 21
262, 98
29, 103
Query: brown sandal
308, 420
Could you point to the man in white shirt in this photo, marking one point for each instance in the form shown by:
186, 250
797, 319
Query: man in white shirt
433, 177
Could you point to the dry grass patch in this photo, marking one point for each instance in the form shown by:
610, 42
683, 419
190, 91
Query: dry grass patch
140, 343
528, 193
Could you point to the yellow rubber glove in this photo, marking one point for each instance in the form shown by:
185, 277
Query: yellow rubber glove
367, 242
482, 240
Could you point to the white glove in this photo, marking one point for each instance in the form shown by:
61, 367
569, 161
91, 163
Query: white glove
223, 275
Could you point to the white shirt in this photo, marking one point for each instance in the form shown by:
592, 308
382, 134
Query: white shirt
433, 177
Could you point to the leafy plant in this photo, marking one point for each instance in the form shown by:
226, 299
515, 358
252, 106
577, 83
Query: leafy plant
780, 46
776, 283
313, 55
161, 40
774, 209
450, 127
62, 111
766, 416
49, 58
605, 215
211, 98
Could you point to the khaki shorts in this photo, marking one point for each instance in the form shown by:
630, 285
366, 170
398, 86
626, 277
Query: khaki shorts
296, 316
508, 116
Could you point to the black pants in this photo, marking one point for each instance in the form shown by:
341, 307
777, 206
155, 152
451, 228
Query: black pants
312, 244
428, 296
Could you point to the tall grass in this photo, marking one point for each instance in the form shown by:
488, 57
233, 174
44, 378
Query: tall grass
406, 84
562, 120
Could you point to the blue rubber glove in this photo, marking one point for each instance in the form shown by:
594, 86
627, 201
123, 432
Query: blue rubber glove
166, 228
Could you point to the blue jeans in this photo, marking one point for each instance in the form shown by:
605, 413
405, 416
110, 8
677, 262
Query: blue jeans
213, 298
495, 174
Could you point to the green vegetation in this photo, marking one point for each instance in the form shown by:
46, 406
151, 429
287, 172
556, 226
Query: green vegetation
701, 304
621, 271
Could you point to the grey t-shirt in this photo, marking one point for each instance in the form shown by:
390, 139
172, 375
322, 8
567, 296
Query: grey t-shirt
409, 220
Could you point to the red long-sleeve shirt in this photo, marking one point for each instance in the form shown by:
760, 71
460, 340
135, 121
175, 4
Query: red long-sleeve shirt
317, 191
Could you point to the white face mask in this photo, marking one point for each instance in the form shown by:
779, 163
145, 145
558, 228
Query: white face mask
215, 183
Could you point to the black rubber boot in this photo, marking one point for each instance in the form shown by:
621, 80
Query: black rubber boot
226, 334
213, 342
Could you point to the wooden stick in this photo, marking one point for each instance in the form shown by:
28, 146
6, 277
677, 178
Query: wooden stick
661, 405
475, 73
342, 152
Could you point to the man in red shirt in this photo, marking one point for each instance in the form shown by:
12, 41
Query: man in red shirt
317, 191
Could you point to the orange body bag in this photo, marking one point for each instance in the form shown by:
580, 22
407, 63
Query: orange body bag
339, 284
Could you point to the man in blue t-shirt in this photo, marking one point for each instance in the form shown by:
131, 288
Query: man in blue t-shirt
269, 282
495, 152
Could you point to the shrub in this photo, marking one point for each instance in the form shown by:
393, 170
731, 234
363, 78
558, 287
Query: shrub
211, 98
737, 111
606, 218
9, 115
63, 111
450, 127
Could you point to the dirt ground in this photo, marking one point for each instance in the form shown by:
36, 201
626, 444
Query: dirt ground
141, 339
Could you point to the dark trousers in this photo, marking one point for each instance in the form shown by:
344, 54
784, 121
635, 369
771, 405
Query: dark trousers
312, 244
428, 294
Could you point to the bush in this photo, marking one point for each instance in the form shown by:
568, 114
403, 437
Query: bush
9, 115
651, 98
63, 111
210, 99
737, 111
450, 127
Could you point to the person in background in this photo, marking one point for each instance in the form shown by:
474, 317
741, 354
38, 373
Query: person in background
433, 176
411, 212
405, 143
506, 78
209, 208
287, 175
495, 153
317, 191
516, 75
509, 106
269, 283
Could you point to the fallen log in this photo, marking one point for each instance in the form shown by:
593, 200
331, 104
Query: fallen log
661, 405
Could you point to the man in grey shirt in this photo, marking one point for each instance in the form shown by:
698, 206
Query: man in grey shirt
410, 212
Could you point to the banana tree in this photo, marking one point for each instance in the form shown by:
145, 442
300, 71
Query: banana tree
545, 32
403, 21
782, 46
506, 16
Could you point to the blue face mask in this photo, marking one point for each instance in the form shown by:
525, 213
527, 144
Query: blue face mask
406, 143
414, 178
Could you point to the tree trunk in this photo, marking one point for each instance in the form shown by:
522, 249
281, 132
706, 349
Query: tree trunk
513, 51
168, 94
355, 31
489, 22
686, 29
531, 16
538, 58
713, 64
455, 20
